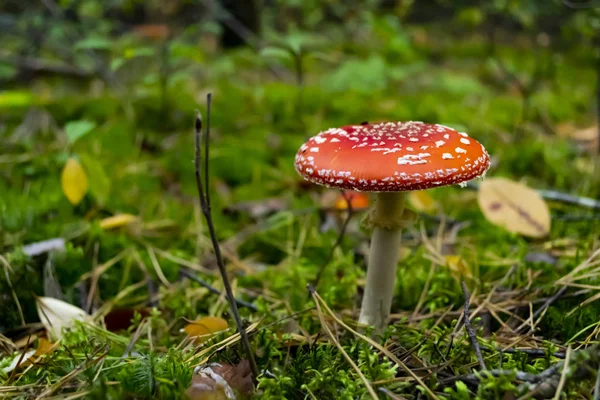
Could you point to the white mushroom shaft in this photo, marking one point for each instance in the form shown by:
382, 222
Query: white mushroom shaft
383, 261
381, 277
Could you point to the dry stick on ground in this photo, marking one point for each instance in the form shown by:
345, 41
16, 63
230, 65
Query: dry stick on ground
214, 290
560, 197
547, 381
338, 241
544, 307
204, 198
597, 385
469, 328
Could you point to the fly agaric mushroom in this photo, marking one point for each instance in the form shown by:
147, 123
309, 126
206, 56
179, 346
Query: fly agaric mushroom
389, 159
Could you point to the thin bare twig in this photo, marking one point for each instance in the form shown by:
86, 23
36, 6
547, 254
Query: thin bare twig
579, 6
214, 290
338, 241
597, 386
563, 375
559, 197
204, 199
469, 328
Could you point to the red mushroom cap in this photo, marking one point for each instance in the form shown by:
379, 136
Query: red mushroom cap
391, 157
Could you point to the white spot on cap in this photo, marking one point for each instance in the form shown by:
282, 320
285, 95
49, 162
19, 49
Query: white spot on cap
333, 140
460, 150
412, 159
447, 156
439, 143
446, 136
314, 149
465, 141
320, 139
424, 147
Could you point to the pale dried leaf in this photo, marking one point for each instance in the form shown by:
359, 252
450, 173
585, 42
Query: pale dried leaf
514, 206
56, 314
585, 138
45, 246
19, 361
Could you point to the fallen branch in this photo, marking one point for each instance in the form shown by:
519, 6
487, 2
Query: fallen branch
559, 197
583, 364
469, 328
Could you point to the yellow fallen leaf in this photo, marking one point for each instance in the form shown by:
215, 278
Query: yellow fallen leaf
44, 347
422, 201
56, 314
514, 206
117, 221
459, 268
74, 181
203, 328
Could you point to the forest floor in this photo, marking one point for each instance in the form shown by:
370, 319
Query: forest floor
103, 167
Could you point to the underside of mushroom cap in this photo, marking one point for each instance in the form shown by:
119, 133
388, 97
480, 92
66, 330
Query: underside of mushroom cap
391, 157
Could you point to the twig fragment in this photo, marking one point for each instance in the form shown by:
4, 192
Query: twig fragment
204, 199
469, 328
560, 197
214, 290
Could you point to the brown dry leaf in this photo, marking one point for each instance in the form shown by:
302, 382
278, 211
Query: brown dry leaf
514, 206
203, 329
74, 181
117, 221
585, 138
221, 382
120, 319
152, 31
422, 201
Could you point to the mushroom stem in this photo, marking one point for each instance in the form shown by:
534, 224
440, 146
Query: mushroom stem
387, 221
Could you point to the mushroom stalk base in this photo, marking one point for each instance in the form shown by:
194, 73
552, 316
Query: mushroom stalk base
383, 259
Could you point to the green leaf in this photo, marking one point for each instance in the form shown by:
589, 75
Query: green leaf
75, 130
94, 44
276, 52
138, 52
16, 98
99, 182
117, 63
